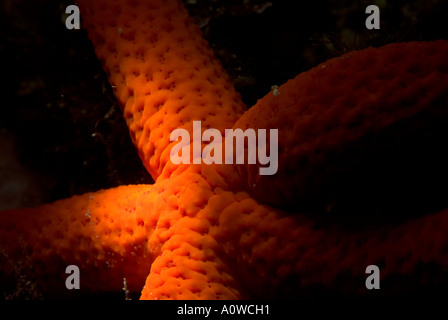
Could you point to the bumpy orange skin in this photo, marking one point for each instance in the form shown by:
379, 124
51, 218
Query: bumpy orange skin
104, 233
197, 233
354, 122
163, 72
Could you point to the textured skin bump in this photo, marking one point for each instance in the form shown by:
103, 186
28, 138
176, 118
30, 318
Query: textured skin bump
162, 70
358, 127
104, 233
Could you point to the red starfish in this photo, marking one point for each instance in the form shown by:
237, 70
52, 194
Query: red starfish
197, 232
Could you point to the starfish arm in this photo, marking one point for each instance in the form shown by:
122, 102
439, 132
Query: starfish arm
354, 122
188, 268
104, 233
163, 71
190, 263
308, 257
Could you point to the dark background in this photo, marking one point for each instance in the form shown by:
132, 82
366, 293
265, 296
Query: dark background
61, 130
